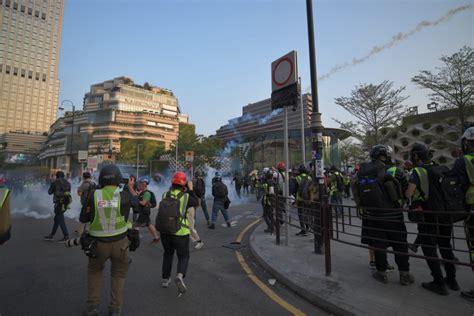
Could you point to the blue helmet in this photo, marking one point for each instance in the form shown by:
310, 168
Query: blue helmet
144, 179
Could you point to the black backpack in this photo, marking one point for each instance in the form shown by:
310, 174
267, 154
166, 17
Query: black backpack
198, 186
303, 187
446, 194
168, 220
219, 190
370, 187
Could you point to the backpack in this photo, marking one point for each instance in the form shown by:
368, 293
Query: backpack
219, 190
446, 194
371, 188
169, 217
198, 186
88, 193
145, 210
303, 187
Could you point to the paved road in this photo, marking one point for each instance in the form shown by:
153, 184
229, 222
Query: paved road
45, 278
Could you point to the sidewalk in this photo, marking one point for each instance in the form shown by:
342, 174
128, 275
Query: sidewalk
351, 290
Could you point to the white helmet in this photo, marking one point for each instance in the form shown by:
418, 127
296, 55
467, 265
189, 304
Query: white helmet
468, 134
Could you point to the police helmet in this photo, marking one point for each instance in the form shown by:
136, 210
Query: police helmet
420, 152
110, 175
468, 136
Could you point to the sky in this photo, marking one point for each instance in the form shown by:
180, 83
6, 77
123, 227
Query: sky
216, 54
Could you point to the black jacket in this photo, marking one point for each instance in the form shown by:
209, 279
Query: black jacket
58, 188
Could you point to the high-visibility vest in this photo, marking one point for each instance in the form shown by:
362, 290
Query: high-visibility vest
299, 180
392, 171
266, 195
108, 221
469, 160
3, 195
421, 193
183, 204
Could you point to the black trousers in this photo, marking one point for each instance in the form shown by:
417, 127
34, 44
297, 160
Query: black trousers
386, 234
268, 216
303, 215
430, 244
59, 220
172, 243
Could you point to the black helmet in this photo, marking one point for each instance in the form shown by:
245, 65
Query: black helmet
379, 150
59, 174
302, 169
419, 151
86, 175
110, 175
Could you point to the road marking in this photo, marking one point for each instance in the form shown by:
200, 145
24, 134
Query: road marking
275, 297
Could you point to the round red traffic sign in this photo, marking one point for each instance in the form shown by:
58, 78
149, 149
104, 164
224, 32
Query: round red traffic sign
283, 71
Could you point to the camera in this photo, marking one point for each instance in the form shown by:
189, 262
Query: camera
73, 242
124, 181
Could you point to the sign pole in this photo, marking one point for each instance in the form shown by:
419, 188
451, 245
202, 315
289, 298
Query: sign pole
287, 183
303, 143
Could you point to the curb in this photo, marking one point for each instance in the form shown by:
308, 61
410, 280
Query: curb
300, 291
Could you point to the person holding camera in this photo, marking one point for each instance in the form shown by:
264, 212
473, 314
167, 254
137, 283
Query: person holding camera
85, 191
107, 214
61, 191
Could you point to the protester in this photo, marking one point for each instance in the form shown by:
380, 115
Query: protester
220, 194
200, 189
61, 191
85, 191
238, 183
301, 185
336, 190
268, 202
193, 203
246, 183
147, 201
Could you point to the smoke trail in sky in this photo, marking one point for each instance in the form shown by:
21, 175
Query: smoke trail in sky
397, 38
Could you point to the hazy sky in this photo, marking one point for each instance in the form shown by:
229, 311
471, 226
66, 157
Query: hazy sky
216, 54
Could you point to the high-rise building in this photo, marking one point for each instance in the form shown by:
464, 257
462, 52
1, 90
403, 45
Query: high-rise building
30, 39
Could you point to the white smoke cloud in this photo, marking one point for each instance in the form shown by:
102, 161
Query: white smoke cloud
397, 38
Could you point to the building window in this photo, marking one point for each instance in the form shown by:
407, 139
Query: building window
22, 8
30, 74
1, 65
7, 70
30, 11
37, 13
15, 71
43, 16
23, 72
7, 3
15, 5
37, 77
44, 77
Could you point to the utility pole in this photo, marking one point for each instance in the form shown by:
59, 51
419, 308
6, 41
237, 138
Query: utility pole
303, 143
316, 123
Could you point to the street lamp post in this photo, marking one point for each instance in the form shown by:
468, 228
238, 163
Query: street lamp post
303, 143
72, 133
316, 123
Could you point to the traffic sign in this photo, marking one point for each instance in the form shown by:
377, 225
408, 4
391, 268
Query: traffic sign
189, 156
82, 155
284, 71
285, 87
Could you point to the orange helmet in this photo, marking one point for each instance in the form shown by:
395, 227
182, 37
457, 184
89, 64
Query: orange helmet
179, 178
281, 165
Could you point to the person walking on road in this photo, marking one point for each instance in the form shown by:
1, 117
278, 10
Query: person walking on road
172, 222
200, 189
107, 238
238, 183
246, 183
146, 201
193, 203
220, 193
61, 191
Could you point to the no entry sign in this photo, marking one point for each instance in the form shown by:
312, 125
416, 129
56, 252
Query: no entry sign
284, 71
285, 88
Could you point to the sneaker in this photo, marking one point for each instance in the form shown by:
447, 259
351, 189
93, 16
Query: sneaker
229, 225
469, 295
372, 264
439, 289
64, 239
212, 226
406, 278
301, 233
452, 284
390, 268
199, 245
380, 276
48, 238
166, 283
180, 284
209, 223
91, 310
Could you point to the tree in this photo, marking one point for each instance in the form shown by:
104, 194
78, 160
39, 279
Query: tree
452, 85
351, 152
375, 107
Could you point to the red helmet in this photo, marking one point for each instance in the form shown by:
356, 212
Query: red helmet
179, 178
281, 165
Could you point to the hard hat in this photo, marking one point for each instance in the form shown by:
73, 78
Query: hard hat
110, 175
179, 178
281, 165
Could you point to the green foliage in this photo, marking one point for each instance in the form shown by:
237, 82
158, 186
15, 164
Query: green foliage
375, 107
148, 150
351, 152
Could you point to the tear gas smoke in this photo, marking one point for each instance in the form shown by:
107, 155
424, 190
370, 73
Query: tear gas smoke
397, 38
